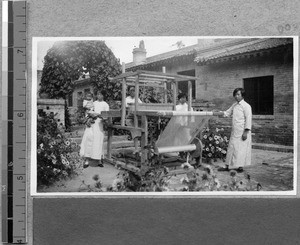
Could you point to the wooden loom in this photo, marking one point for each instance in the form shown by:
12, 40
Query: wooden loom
143, 111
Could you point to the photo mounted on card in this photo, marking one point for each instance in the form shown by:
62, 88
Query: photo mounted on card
172, 116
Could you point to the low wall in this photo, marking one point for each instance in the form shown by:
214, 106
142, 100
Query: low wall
57, 106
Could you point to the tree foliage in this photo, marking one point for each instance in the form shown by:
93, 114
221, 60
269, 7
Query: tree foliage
66, 61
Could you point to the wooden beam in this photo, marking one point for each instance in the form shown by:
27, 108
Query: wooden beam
146, 84
129, 167
109, 138
166, 75
190, 95
150, 113
127, 128
123, 97
112, 113
165, 86
135, 118
175, 91
165, 92
152, 106
144, 141
179, 171
123, 75
190, 113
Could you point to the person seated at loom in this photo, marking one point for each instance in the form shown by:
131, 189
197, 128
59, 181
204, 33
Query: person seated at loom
182, 105
130, 100
184, 131
184, 121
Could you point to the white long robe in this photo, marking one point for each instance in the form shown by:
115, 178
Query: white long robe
93, 137
239, 151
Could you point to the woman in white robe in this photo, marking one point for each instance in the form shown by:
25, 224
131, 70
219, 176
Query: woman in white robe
239, 149
92, 141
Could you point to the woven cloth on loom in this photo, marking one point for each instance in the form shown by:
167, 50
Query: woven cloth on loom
181, 130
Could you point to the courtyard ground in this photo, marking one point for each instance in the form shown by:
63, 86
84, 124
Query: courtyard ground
272, 170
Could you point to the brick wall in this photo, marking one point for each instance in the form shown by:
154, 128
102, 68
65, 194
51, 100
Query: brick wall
223, 78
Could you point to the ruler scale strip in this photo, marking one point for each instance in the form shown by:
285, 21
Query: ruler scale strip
4, 181
14, 199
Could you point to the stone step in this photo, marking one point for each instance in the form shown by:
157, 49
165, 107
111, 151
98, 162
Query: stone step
272, 147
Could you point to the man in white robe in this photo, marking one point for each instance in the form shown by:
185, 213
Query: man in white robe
239, 149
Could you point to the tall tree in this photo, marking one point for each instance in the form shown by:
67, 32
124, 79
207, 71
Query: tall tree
66, 61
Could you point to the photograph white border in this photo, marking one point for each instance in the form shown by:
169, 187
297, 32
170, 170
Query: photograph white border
33, 135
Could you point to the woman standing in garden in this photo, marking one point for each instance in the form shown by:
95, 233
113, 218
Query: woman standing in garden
239, 149
92, 141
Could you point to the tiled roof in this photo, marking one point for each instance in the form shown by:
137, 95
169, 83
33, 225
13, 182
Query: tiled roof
249, 47
189, 50
168, 55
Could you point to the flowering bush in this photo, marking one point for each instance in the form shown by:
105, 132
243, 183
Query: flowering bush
153, 179
158, 179
57, 156
215, 144
208, 181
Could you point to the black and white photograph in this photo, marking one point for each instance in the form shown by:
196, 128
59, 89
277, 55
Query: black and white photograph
178, 115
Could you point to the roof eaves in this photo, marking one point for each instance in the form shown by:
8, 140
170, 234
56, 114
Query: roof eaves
248, 49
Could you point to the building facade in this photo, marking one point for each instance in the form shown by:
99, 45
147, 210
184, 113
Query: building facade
262, 66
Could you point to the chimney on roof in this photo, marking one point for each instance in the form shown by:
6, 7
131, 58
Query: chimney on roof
139, 54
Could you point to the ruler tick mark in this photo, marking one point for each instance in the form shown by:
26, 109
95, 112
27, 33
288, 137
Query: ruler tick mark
16, 13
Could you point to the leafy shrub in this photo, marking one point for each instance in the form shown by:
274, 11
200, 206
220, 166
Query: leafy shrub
66, 61
57, 156
79, 116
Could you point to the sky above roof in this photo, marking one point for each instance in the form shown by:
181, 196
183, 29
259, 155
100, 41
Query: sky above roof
122, 46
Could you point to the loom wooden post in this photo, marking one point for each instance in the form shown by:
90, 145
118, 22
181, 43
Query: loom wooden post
135, 118
174, 94
123, 97
190, 94
144, 140
165, 86
109, 138
165, 92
